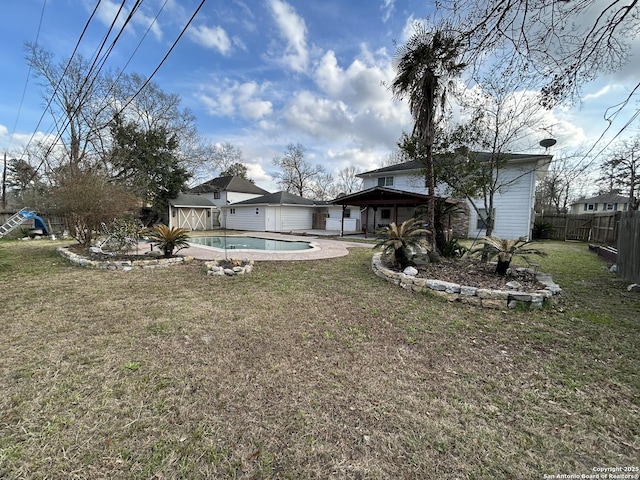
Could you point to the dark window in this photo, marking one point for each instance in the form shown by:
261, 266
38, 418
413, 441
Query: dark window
481, 223
385, 214
385, 182
216, 195
346, 213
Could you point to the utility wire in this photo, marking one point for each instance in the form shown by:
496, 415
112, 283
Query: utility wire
55, 91
26, 82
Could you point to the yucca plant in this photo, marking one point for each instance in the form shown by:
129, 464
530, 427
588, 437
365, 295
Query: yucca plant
169, 240
505, 250
400, 239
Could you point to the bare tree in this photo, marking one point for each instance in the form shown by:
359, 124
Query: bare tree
324, 187
560, 43
348, 182
296, 175
622, 170
561, 184
501, 116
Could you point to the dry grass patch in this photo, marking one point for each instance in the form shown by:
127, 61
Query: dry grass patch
307, 370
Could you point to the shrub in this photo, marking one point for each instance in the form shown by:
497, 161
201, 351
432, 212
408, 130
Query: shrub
453, 249
505, 250
169, 240
400, 240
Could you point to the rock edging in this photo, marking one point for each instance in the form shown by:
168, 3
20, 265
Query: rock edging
124, 265
240, 267
481, 297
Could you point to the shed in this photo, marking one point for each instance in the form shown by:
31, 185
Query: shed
193, 212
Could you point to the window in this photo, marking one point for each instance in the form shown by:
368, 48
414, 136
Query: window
385, 182
346, 213
611, 206
385, 214
216, 195
232, 211
591, 207
481, 222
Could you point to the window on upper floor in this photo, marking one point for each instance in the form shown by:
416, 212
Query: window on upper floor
216, 195
611, 206
591, 207
385, 182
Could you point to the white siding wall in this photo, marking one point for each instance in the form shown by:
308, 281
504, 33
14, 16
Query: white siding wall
512, 205
246, 218
408, 182
295, 218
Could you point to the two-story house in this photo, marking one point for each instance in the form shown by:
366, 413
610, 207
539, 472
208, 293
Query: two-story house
391, 194
600, 204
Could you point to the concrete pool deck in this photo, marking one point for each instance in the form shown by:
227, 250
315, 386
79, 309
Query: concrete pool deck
323, 248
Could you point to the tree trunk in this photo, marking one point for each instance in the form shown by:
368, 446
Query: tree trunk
402, 258
502, 267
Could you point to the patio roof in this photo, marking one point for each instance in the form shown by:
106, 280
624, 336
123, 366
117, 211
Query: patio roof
384, 196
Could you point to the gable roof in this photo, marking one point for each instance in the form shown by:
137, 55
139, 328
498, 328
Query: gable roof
228, 184
607, 198
415, 165
383, 196
280, 198
187, 200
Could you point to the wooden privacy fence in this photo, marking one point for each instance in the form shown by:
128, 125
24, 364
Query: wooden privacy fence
629, 247
595, 228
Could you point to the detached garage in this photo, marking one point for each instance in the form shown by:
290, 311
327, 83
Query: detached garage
275, 212
193, 212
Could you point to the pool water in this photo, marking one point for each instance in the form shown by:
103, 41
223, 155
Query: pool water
249, 243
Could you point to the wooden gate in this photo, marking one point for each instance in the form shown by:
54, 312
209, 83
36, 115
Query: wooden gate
596, 228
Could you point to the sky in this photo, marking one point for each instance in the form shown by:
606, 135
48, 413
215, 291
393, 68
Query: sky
262, 74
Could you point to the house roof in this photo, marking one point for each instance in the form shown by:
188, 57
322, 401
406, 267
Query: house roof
228, 184
188, 200
607, 198
280, 198
383, 196
415, 165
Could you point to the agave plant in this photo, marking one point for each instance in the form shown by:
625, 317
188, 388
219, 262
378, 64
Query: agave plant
169, 240
505, 250
400, 239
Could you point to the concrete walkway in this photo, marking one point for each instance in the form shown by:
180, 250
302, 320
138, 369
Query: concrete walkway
321, 248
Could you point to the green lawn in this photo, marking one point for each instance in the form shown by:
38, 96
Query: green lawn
308, 370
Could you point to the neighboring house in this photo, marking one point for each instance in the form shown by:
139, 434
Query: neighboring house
224, 190
513, 205
600, 204
193, 212
274, 212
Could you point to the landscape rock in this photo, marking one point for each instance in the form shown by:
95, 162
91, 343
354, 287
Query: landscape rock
634, 287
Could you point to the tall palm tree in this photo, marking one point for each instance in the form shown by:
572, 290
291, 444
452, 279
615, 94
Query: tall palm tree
424, 67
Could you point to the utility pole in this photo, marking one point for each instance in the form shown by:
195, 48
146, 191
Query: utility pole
4, 183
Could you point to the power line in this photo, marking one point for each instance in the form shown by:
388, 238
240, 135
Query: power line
26, 82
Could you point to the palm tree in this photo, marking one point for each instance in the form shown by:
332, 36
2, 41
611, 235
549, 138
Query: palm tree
424, 66
400, 239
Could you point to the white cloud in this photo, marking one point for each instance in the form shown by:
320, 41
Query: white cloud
603, 91
387, 9
293, 30
211, 37
232, 99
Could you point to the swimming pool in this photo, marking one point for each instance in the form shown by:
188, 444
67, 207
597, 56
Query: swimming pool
250, 243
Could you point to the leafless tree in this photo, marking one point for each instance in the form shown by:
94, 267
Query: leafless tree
621, 170
563, 43
296, 175
348, 182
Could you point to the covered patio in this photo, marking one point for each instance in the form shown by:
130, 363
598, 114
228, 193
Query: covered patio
383, 198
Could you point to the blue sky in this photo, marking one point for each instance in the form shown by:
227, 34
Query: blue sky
263, 74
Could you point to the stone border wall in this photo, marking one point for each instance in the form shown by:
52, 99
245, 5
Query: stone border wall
243, 267
481, 297
124, 265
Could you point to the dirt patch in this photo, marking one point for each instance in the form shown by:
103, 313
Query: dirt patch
474, 273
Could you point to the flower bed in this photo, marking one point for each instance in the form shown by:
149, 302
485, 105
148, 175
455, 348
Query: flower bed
120, 264
481, 297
